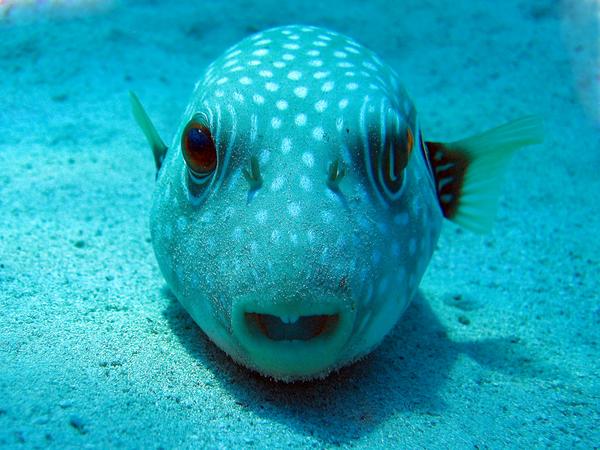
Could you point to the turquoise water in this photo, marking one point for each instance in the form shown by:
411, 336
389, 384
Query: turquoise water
499, 349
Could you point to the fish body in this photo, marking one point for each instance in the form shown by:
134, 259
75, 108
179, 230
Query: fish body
298, 206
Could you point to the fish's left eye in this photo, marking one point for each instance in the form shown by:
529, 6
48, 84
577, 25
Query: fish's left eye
198, 148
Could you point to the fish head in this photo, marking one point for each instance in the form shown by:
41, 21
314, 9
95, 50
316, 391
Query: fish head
291, 216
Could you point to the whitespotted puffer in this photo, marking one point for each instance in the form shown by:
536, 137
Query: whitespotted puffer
298, 205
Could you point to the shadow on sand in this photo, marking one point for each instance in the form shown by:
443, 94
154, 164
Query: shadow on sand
404, 374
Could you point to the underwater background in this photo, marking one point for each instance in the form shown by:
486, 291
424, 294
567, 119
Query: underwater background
500, 347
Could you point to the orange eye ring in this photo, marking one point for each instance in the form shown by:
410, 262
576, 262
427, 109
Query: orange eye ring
410, 140
198, 148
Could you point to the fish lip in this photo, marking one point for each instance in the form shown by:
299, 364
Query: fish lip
286, 359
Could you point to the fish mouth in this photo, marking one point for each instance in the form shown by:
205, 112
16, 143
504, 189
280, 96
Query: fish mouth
292, 327
295, 340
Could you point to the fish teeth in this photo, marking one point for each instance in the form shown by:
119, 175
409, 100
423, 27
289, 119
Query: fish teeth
291, 318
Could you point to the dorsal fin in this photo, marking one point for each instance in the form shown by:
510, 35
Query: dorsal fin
468, 173
159, 149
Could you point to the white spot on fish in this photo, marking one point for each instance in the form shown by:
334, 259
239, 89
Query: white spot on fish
294, 75
254, 247
321, 105
260, 52
300, 120
271, 86
281, 105
301, 91
327, 86
286, 145
233, 54
258, 99
276, 123
308, 159
277, 183
369, 66
261, 216
253, 127
265, 155
318, 133
326, 216
305, 183
275, 235
294, 209
237, 234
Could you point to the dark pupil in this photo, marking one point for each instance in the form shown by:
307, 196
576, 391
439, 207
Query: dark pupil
197, 141
200, 152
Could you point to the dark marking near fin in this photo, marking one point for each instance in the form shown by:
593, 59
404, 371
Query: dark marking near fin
468, 173
449, 168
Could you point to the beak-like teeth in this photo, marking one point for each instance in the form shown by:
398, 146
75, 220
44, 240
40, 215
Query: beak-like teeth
289, 318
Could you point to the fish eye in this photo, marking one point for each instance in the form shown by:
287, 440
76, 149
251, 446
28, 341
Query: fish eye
198, 148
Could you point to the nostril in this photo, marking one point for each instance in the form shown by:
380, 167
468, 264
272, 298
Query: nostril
292, 328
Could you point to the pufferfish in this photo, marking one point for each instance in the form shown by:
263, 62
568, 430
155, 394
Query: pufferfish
299, 204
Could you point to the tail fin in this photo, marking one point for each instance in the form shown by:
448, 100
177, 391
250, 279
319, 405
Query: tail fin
159, 149
468, 173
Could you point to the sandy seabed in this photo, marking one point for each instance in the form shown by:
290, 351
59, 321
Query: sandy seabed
500, 349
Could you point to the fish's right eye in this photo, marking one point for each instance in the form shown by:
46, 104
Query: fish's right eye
198, 148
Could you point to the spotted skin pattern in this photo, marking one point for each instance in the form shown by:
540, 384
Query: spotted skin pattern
298, 99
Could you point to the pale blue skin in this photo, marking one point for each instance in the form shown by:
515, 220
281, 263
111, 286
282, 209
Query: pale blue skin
296, 98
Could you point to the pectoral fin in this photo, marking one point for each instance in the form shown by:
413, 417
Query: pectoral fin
159, 149
468, 173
